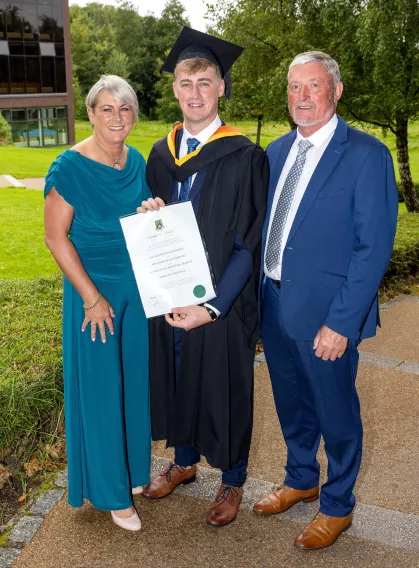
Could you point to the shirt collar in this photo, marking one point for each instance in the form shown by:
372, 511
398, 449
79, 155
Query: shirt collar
322, 134
205, 134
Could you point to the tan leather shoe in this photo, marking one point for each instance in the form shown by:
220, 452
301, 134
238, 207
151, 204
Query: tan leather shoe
226, 505
168, 480
322, 531
284, 498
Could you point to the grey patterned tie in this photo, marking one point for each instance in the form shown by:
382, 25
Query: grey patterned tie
273, 249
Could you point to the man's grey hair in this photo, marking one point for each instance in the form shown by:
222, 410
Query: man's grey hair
118, 88
327, 62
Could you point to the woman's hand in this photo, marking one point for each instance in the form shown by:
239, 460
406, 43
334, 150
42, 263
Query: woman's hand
99, 315
151, 205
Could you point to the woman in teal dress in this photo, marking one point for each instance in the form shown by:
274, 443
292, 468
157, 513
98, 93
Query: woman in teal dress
105, 338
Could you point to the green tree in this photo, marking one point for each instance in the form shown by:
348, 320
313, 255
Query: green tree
377, 48
167, 105
118, 64
5, 132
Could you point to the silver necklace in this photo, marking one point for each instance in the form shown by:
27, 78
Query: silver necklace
116, 164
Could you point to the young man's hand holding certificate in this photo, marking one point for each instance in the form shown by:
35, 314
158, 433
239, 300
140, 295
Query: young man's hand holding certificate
169, 260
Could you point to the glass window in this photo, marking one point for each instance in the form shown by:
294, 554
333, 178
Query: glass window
35, 133
59, 49
34, 113
14, 21
60, 74
17, 74
4, 48
2, 20
49, 132
57, 13
16, 48
46, 20
47, 74
48, 113
62, 128
30, 20
61, 112
7, 115
4, 75
18, 115
47, 48
33, 75
19, 133
31, 48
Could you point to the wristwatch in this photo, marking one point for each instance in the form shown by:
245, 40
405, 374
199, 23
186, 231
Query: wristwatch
211, 312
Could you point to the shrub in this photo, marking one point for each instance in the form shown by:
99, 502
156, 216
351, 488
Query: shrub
405, 259
31, 386
5, 131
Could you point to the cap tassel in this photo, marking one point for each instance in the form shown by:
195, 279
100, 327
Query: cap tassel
227, 82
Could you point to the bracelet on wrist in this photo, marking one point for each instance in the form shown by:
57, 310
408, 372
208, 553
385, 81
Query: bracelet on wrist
94, 303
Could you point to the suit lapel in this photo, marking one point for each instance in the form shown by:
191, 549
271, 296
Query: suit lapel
325, 167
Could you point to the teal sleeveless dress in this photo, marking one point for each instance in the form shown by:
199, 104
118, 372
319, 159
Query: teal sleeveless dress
106, 391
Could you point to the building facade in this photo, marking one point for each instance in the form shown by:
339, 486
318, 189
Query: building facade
36, 93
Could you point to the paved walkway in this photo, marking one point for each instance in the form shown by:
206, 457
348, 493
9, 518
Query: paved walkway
28, 183
385, 532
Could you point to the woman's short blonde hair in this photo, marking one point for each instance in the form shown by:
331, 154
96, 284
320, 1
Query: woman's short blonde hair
118, 88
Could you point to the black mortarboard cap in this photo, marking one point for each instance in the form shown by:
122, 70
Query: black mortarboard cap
192, 44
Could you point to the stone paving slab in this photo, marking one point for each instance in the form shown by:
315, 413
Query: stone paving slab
398, 336
23, 531
33, 183
390, 409
175, 534
46, 501
8, 556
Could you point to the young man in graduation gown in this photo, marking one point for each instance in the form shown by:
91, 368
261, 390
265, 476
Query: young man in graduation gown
201, 357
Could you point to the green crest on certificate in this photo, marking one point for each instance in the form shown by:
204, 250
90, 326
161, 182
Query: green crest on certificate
199, 291
159, 225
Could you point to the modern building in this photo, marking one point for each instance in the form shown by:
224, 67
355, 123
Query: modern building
36, 94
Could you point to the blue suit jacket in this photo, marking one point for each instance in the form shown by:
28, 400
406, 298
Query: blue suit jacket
341, 239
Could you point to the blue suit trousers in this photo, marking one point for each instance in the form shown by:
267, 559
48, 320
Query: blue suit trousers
314, 398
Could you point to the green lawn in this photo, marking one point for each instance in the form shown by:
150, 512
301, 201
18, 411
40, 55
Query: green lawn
34, 162
23, 253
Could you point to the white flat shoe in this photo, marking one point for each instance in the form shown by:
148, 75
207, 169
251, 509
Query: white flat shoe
132, 523
137, 490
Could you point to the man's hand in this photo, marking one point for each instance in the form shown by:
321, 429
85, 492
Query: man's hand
188, 318
151, 205
329, 345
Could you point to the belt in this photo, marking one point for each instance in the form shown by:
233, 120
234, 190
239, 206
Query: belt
276, 282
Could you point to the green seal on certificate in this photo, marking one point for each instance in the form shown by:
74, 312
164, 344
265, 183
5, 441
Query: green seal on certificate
199, 291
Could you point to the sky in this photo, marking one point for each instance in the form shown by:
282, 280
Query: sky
195, 9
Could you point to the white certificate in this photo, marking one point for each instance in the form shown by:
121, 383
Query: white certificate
168, 258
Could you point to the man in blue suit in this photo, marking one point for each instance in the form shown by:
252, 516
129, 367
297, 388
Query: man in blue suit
327, 240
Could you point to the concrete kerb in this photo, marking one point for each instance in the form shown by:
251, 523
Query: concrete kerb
27, 526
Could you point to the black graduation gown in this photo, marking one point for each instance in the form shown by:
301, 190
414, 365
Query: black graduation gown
210, 405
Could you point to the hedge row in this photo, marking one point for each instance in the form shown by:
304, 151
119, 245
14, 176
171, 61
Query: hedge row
31, 386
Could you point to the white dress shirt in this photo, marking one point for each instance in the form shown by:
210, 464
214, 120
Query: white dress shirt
320, 141
203, 136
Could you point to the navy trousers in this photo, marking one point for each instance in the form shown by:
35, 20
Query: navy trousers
313, 398
187, 455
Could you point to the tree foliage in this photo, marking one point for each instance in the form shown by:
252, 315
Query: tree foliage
119, 41
376, 43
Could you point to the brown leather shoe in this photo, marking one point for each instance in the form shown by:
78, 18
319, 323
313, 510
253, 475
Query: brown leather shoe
226, 505
322, 531
168, 480
284, 498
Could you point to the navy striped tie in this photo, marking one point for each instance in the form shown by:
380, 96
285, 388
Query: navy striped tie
185, 186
